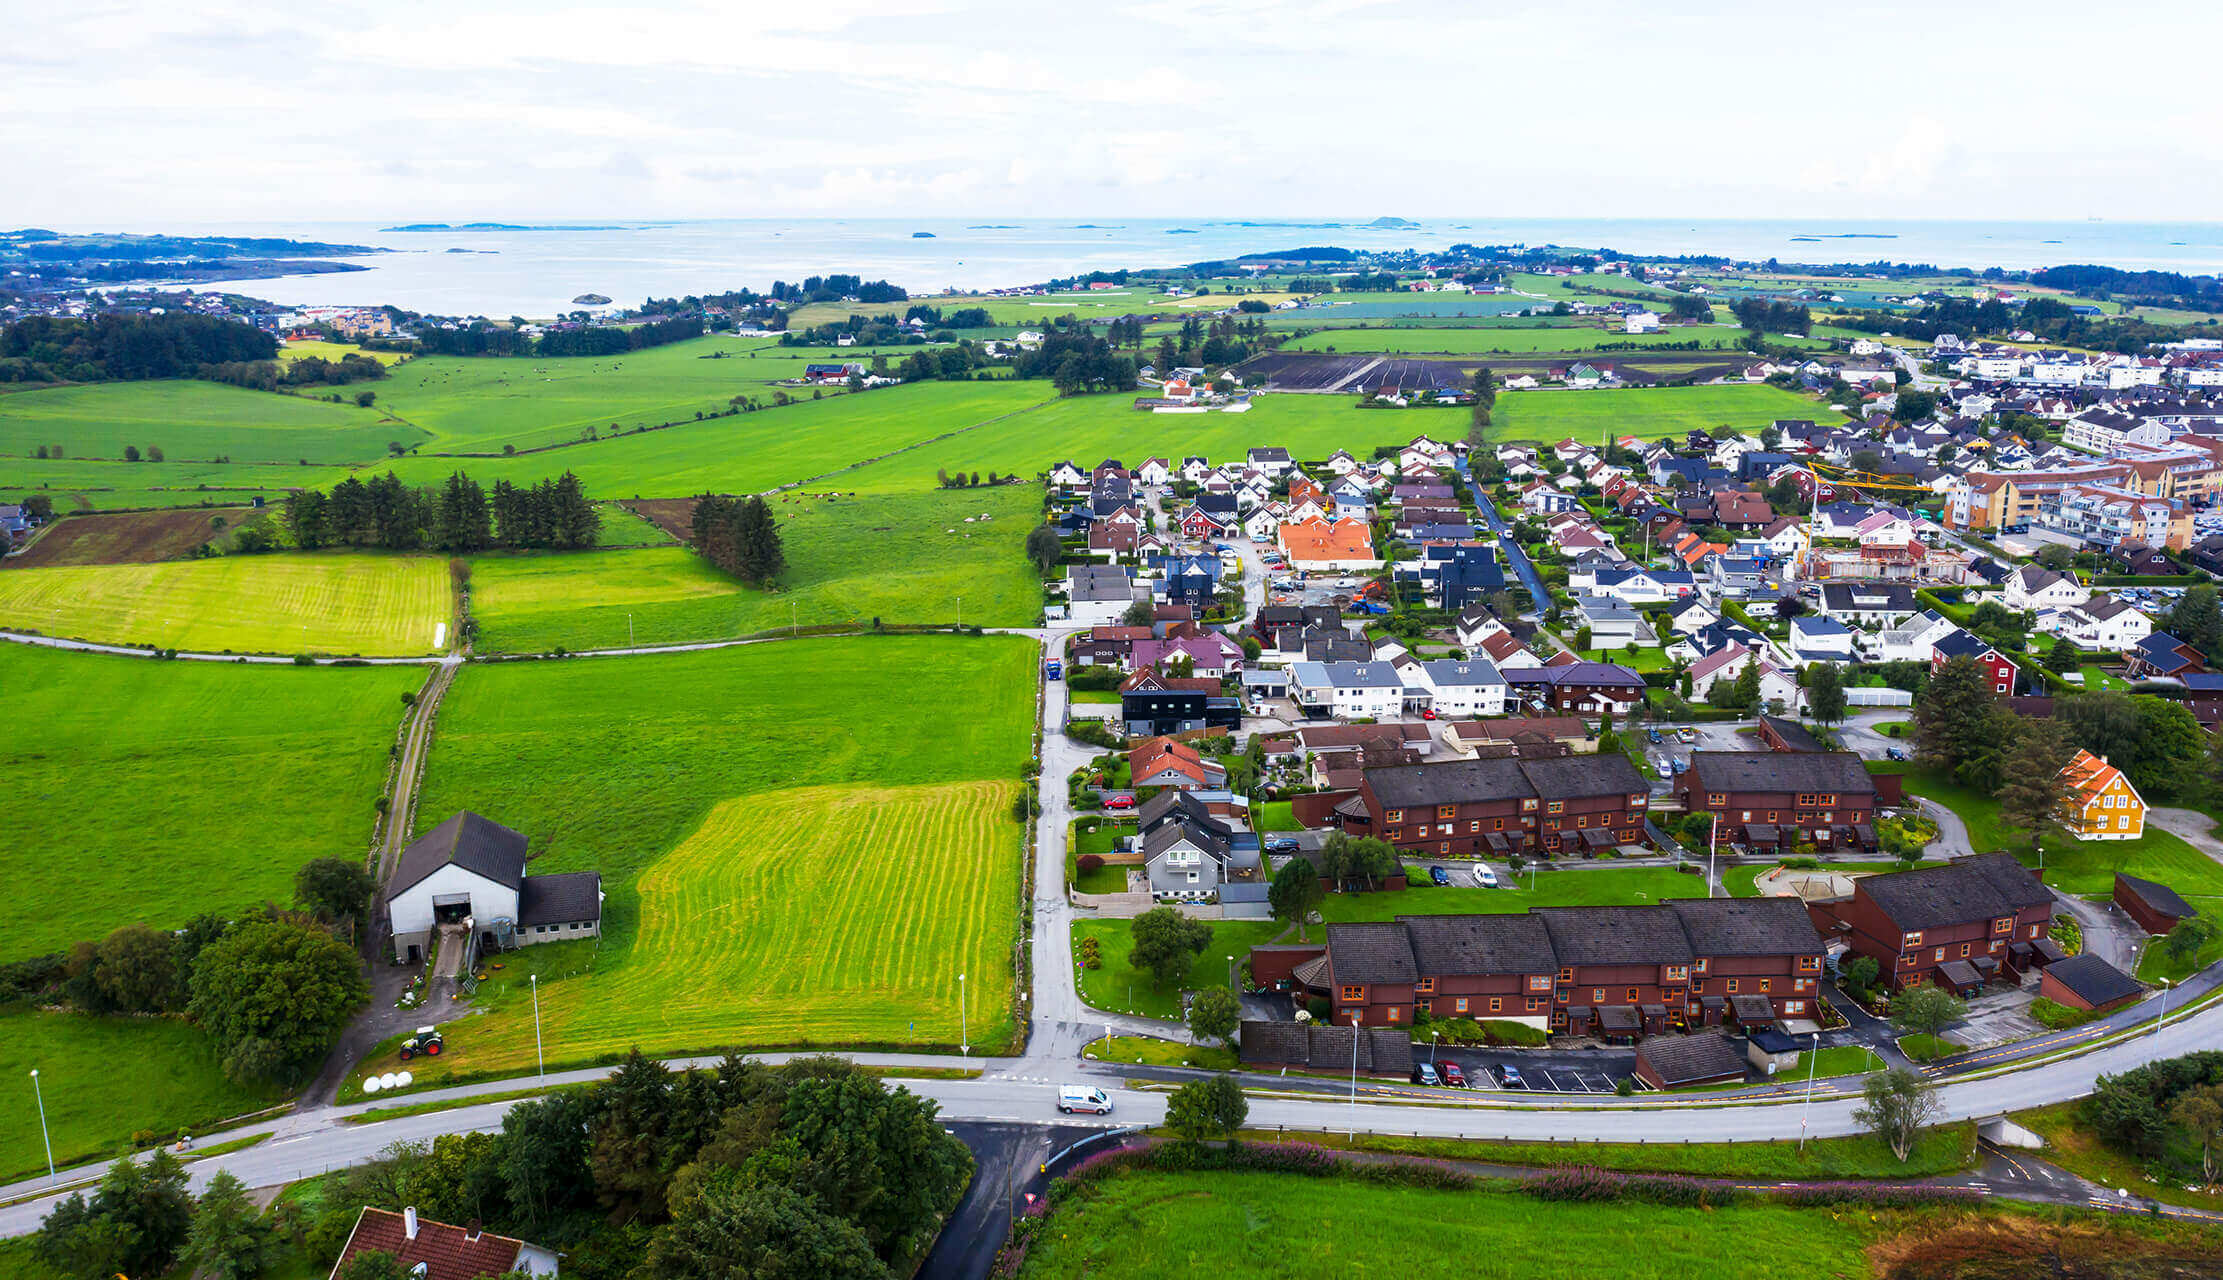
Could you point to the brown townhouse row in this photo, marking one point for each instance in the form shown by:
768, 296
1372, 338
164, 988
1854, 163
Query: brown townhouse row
1616, 972
1476, 808
1779, 799
1957, 926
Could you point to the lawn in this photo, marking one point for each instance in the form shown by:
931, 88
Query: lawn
1120, 988
335, 602
1942, 1149
105, 1079
303, 348
2157, 964
1838, 1060
93, 484
2084, 867
786, 855
898, 557
1618, 886
1278, 815
1530, 340
622, 527
1260, 1226
196, 421
145, 791
1652, 413
1160, 1053
1640, 658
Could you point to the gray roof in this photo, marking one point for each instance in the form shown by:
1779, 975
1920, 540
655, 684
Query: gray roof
1769, 926
1779, 771
1979, 888
1691, 1059
1616, 935
1372, 952
479, 845
1450, 782
1347, 675
1452, 671
1603, 774
1479, 944
2094, 980
570, 898
2159, 897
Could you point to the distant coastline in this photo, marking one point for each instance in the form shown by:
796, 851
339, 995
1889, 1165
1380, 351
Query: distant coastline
413, 227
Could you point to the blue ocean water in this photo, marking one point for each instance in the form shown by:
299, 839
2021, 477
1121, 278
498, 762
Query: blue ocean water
536, 273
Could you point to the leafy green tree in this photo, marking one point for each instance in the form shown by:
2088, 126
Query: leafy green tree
1860, 976
764, 1232
133, 970
541, 1158
338, 889
1213, 1108
2189, 936
2199, 1111
1166, 942
2197, 617
1825, 693
275, 995
1214, 1014
1899, 1105
2056, 557
628, 1149
1295, 893
881, 1158
1044, 548
1926, 1011
373, 1264
134, 1224
1745, 693
230, 1239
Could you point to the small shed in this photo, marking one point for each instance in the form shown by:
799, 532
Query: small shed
1771, 1051
1787, 735
2156, 908
2088, 982
1676, 1062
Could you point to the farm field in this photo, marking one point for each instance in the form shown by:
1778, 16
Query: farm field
755, 451
652, 769
152, 791
1036, 309
194, 421
303, 348
1263, 1225
1522, 341
105, 1079
1648, 414
92, 484
340, 602
139, 537
897, 557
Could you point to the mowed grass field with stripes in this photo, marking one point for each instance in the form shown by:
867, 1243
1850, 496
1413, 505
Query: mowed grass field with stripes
800, 842
339, 603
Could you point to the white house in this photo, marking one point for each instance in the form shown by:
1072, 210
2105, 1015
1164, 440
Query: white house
1777, 687
1348, 690
2102, 623
1342, 463
1641, 322
1612, 624
1915, 640
1469, 688
2031, 587
1819, 639
468, 874
1154, 472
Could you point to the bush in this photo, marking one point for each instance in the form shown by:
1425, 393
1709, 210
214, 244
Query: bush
1596, 1186
1090, 862
2058, 1016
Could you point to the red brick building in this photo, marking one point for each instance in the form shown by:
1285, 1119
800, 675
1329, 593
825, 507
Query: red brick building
1958, 925
1779, 799
1471, 808
2156, 908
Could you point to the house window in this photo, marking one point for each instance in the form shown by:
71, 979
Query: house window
1809, 964
1352, 995
1794, 1006
2004, 924
2037, 931
1497, 824
1444, 848
1582, 819
1458, 1004
1597, 995
1425, 987
1538, 982
1964, 951
1556, 806
1701, 966
1829, 799
1395, 1014
1912, 940
1566, 975
1938, 954
1497, 1004
1447, 811
1732, 986
1678, 973
1394, 815
1535, 1005
1632, 995
1476, 825
1528, 806
1717, 798
1767, 985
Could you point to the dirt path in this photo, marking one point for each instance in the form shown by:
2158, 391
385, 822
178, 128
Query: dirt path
401, 808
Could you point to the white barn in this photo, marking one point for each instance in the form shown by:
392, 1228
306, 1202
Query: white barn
470, 871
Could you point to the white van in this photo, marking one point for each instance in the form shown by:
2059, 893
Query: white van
1073, 1097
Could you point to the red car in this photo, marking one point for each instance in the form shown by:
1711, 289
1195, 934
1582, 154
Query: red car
1451, 1074
1120, 802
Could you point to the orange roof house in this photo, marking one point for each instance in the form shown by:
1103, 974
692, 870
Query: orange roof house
1325, 544
2100, 804
443, 1252
1170, 762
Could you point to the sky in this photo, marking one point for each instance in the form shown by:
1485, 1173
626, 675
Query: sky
141, 115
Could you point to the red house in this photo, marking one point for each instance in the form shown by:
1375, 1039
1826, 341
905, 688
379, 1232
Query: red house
1771, 799
1471, 807
2000, 673
1957, 925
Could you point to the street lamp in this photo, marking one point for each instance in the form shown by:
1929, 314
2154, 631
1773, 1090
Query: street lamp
43, 1135
2165, 985
1432, 1047
1354, 1071
964, 1043
539, 1055
1814, 1052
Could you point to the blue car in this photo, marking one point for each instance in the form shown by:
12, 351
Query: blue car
1439, 875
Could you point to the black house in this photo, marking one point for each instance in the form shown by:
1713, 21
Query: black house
1150, 712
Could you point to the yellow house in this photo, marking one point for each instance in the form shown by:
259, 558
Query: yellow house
2101, 804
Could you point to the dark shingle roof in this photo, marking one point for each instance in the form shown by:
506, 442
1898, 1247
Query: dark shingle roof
2095, 981
1451, 782
2162, 899
1747, 926
1980, 888
1370, 953
1792, 771
1479, 944
1604, 774
1690, 1059
479, 845
1794, 735
1275, 1042
569, 898
1615, 935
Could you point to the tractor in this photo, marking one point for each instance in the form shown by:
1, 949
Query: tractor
425, 1040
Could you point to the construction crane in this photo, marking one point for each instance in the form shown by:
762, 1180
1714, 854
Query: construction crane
1865, 479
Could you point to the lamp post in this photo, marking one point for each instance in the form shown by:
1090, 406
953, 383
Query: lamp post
2164, 1017
964, 1043
1432, 1047
43, 1135
1354, 1070
1814, 1066
539, 1056
629, 631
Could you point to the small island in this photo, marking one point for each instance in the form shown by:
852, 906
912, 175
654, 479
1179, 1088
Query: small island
923, 235
1392, 222
590, 300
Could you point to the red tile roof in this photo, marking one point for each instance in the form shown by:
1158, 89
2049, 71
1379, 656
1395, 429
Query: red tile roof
448, 1252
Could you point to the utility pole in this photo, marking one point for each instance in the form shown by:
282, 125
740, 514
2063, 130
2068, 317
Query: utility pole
1713, 842
964, 1041
2165, 985
538, 1055
1354, 1071
1814, 1053
629, 631
49, 1141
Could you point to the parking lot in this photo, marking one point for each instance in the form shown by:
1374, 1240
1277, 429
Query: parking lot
1538, 1071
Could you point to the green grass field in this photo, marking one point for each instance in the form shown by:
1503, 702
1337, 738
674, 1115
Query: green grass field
1119, 987
1035, 310
897, 557
92, 484
1604, 886
838, 910
1263, 1226
144, 791
2085, 867
303, 348
1944, 1148
193, 421
1648, 413
1531, 340
105, 1079
339, 602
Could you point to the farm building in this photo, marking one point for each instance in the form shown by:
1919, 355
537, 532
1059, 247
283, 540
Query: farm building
470, 872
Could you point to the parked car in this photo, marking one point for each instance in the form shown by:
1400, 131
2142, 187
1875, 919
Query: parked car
1686, 735
1439, 876
1895, 753
1053, 669
1281, 844
1484, 876
1120, 802
1425, 1074
1074, 1097
1427, 713
1655, 735
1512, 1077
1452, 1076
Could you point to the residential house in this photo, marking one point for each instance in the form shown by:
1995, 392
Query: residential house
2099, 802
1188, 859
1735, 577
1470, 808
1776, 800
426, 1250
1753, 960
1108, 646
1153, 704
1999, 670
2156, 908
2161, 655
1460, 687
1323, 545
1612, 624
1820, 639
1348, 690
1274, 461
2031, 587
1778, 688
1209, 653
1170, 762
1587, 687
1869, 604
1101, 595
1452, 575
1529, 737
2103, 623
1484, 634
470, 871
1958, 925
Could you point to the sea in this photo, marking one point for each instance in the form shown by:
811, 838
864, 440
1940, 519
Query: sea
537, 272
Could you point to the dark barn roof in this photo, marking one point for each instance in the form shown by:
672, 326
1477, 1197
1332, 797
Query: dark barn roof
478, 845
570, 898
1480, 944
2159, 898
1691, 1059
1778, 771
1615, 935
1371, 953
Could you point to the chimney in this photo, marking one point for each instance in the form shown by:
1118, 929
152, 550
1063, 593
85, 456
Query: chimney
409, 1223
471, 1230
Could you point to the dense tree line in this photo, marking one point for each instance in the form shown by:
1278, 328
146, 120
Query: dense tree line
2152, 288
833, 288
2167, 1113
1764, 316
1962, 730
739, 536
310, 371
952, 363
612, 340
459, 516
1077, 362
957, 318
119, 347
